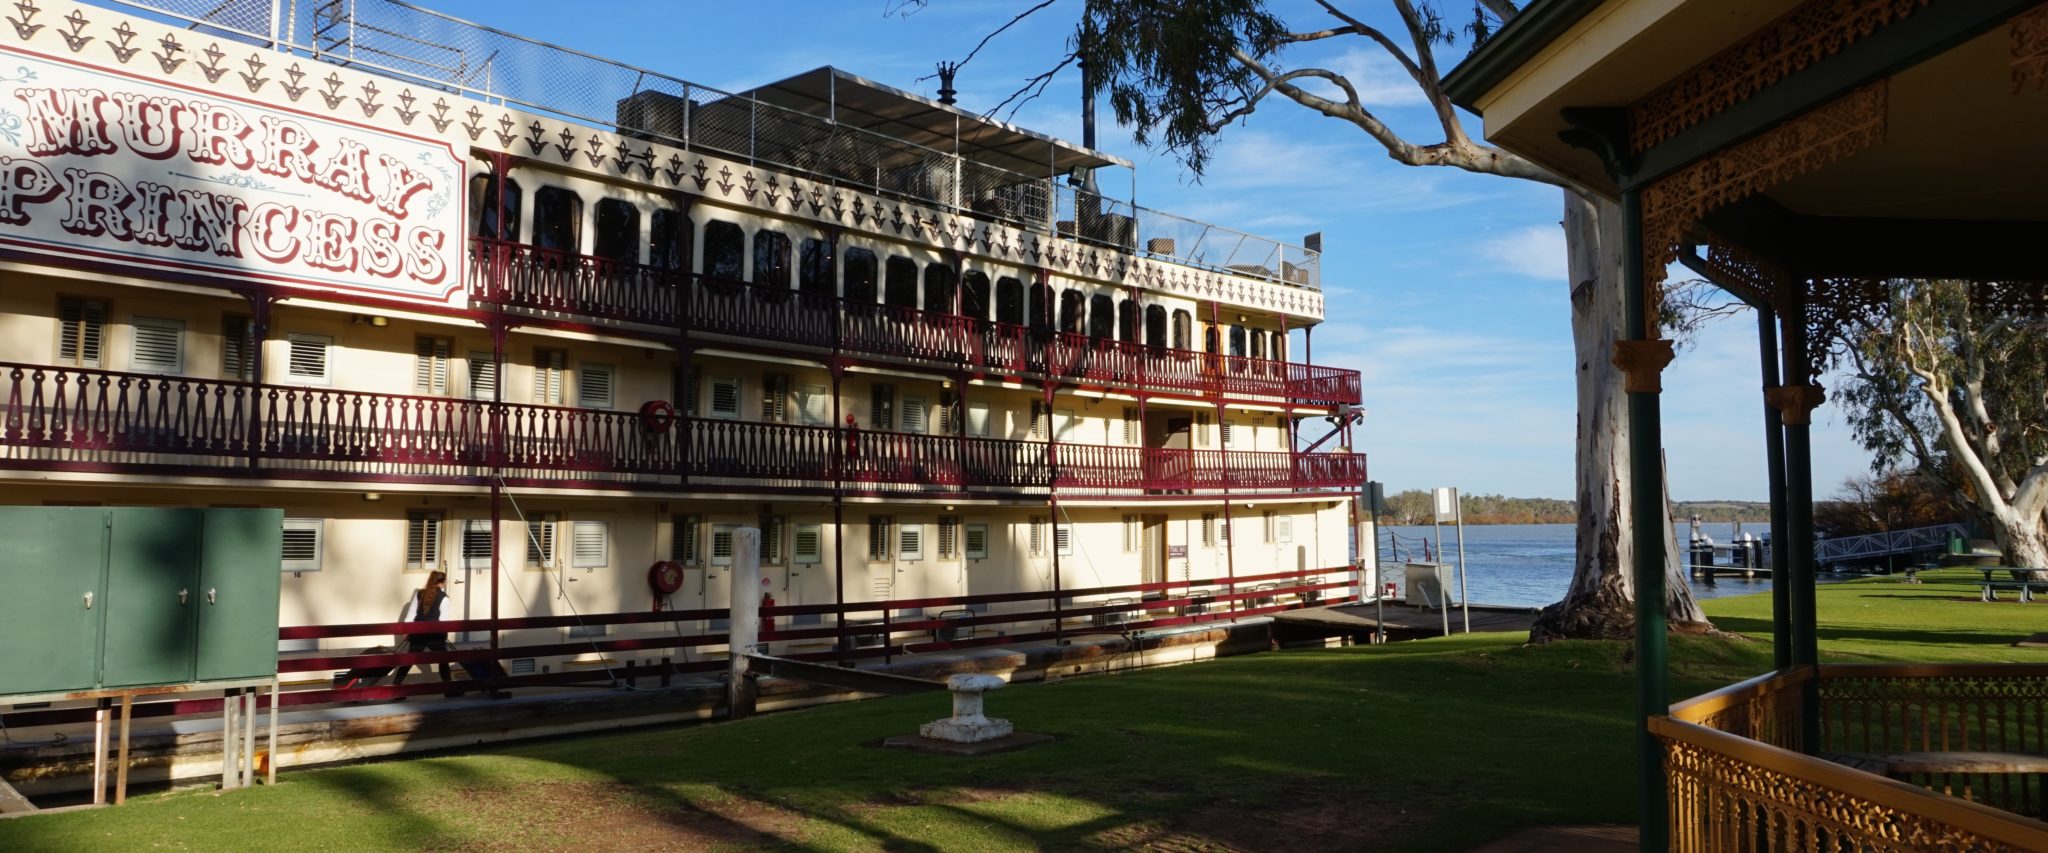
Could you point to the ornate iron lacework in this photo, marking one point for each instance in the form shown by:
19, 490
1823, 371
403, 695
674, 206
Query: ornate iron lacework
1813, 31
1836, 307
1719, 801
1673, 205
2030, 48
1747, 275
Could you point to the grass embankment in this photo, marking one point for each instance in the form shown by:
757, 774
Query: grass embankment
1438, 744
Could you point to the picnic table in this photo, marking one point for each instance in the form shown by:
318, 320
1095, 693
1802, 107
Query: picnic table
2025, 587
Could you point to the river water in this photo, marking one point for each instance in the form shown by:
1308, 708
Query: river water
1531, 564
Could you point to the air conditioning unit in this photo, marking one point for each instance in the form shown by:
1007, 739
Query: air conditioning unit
1114, 617
871, 639
650, 115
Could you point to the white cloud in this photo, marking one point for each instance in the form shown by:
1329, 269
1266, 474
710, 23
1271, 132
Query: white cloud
1537, 251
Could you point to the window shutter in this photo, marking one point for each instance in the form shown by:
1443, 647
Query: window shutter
977, 419
430, 366
771, 540
540, 539
1130, 534
1037, 537
725, 397
157, 345
690, 392
913, 415
476, 543
1284, 529
1130, 426
1063, 539
1272, 529
814, 404
594, 386
237, 348
977, 541
721, 545
1226, 433
308, 357
945, 410
588, 543
882, 408
809, 547
422, 539
547, 377
775, 398
1208, 530
910, 539
878, 537
483, 376
949, 537
682, 545
1037, 421
1201, 429
302, 544
81, 331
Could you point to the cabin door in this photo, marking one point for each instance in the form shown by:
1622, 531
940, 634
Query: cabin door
1153, 550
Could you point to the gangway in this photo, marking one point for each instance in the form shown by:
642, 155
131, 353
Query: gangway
1918, 540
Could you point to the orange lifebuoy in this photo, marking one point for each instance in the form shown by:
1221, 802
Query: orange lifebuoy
656, 416
665, 577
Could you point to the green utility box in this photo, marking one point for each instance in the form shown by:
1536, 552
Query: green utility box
100, 598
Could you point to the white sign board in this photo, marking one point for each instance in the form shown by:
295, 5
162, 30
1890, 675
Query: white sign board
116, 169
1446, 504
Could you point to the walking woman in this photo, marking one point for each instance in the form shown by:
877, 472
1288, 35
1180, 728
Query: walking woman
424, 605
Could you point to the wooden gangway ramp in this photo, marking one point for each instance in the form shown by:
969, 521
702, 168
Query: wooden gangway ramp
1403, 622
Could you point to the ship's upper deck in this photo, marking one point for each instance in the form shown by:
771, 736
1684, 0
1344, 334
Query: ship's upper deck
825, 124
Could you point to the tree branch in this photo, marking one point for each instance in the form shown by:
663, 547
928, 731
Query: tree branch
1468, 156
1040, 82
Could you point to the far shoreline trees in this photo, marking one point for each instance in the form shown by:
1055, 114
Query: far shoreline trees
1413, 506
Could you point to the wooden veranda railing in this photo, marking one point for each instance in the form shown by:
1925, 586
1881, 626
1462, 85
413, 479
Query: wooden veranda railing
82, 419
1738, 779
874, 631
542, 281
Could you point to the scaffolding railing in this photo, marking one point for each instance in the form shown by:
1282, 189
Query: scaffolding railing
479, 63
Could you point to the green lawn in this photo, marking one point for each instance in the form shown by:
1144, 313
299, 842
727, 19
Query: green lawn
1438, 744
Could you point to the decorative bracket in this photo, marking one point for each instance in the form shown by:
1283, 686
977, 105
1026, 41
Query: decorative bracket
1643, 362
1795, 403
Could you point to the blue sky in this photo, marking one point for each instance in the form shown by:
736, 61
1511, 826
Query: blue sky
1447, 289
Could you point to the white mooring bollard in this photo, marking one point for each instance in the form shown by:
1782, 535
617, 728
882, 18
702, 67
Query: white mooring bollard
968, 724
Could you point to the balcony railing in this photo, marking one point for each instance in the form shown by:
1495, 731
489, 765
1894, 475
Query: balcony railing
1739, 779
522, 277
87, 419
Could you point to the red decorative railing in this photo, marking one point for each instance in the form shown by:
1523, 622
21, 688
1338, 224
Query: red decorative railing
854, 630
77, 418
522, 277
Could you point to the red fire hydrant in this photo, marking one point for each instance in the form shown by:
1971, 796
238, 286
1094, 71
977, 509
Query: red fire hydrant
767, 621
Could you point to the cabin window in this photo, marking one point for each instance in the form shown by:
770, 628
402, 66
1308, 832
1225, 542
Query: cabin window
939, 284
899, 287
1237, 341
974, 295
483, 211
549, 368
1101, 316
81, 331
771, 259
668, 240
422, 539
1072, 312
882, 407
594, 386
1155, 326
861, 267
557, 219
1209, 339
237, 348
1258, 343
306, 359
1127, 320
814, 269
1041, 307
725, 250
1010, 301
1183, 324
483, 376
618, 231
430, 366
